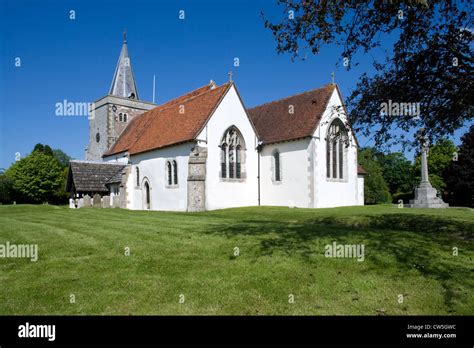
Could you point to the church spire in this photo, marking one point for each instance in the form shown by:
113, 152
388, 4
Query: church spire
123, 84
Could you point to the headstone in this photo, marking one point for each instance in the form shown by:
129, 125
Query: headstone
106, 202
425, 194
87, 201
71, 203
97, 201
117, 202
80, 203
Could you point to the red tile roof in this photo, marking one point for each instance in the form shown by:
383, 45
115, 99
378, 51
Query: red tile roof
165, 125
274, 122
361, 170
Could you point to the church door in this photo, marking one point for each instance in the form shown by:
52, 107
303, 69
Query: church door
147, 196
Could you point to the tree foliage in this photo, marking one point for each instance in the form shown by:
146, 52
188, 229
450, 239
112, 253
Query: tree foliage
398, 173
459, 174
375, 187
37, 178
431, 61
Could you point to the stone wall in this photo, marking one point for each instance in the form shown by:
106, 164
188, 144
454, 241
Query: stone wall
197, 179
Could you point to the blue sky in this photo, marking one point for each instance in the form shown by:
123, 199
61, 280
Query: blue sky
75, 60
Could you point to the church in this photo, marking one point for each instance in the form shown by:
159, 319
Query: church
205, 150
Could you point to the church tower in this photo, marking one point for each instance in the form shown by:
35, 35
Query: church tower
110, 115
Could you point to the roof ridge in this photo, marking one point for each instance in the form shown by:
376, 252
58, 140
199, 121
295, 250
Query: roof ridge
294, 95
187, 99
95, 162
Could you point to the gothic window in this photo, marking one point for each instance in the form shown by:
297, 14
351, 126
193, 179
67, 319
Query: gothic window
120, 117
125, 117
232, 154
276, 166
337, 141
175, 172
137, 172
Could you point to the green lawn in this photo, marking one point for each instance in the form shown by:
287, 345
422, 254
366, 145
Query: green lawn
81, 252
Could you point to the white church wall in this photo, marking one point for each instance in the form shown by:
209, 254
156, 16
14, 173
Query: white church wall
360, 190
152, 167
293, 188
330, 192
226, 193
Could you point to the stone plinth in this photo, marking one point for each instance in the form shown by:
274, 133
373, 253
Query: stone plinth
425, 197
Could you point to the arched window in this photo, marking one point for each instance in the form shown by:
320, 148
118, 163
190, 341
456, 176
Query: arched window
169, 172
120, 117
337, 141
232, 154
276, 164
147, 195
137, 172
125, 117
175, 172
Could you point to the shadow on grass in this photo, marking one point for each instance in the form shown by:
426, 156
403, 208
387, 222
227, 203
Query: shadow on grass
416, 242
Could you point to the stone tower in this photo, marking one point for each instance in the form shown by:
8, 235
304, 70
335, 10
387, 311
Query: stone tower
110, 115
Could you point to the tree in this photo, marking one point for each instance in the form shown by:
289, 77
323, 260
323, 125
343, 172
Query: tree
375, 187
428, 70
6, 189
459, 174
398, 173
61, 157
36, 178
440, 156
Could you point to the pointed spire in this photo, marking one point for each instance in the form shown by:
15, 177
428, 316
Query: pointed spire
123, 83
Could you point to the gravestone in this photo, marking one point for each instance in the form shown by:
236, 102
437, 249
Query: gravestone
87, 201
106, 202
97, 201
425, 194
116, 202
72, 205
80, 203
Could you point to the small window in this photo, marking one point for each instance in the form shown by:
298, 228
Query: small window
121, 117
169, 172
276, 162
97, 137
137, 172
175, 172
125, 117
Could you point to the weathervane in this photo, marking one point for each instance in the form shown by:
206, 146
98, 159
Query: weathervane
230, 75
125, 36
332, 77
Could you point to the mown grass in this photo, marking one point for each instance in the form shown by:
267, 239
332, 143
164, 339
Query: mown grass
81, 252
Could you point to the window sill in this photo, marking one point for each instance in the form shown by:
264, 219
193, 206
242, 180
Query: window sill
232, 180
172, 186
336, 180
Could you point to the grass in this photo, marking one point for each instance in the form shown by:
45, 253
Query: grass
81, 252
